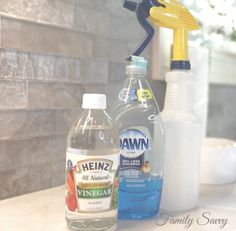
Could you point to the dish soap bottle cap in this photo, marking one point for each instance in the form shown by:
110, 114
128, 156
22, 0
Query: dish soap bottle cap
94, 101
138, 65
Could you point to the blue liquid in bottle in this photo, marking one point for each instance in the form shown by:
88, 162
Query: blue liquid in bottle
140, 198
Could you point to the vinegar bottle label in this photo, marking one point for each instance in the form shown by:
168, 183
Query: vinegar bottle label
91, 182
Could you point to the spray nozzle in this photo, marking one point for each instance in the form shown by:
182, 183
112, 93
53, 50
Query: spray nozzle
169, 14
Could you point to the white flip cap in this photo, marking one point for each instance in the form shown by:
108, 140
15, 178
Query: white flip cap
94, 101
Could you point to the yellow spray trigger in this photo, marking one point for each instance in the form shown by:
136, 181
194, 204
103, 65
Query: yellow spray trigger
175, 16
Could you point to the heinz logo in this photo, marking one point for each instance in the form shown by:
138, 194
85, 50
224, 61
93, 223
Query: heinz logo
133, 143
95, 165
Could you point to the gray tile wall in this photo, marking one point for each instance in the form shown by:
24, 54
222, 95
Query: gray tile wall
51, 52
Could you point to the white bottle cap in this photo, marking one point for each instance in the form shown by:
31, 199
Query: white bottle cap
94, 101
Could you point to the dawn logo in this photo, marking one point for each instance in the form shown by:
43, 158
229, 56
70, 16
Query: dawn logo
133, 143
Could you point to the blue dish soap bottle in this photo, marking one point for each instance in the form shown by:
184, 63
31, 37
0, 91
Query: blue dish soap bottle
141, 143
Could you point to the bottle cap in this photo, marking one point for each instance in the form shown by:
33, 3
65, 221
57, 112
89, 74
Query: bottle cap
94, 101
138, 65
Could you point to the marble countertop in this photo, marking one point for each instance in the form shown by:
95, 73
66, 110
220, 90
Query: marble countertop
44, 211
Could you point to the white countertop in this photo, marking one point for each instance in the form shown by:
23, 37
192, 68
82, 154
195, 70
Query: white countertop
44, 211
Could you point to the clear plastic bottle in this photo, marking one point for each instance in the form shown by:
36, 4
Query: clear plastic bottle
183, 144
92, 162
142, 145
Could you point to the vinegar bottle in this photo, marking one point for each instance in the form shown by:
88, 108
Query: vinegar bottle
92, 161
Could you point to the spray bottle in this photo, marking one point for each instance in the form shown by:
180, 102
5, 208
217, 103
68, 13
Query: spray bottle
182, 126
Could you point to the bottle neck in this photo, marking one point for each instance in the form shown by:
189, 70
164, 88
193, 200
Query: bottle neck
95, 118
137, 81
137, 75
94, 112
179, 92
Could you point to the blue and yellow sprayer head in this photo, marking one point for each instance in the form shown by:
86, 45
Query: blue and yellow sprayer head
169, 14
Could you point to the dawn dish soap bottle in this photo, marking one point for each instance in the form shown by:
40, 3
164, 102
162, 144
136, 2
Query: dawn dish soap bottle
142, 145
92, 161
